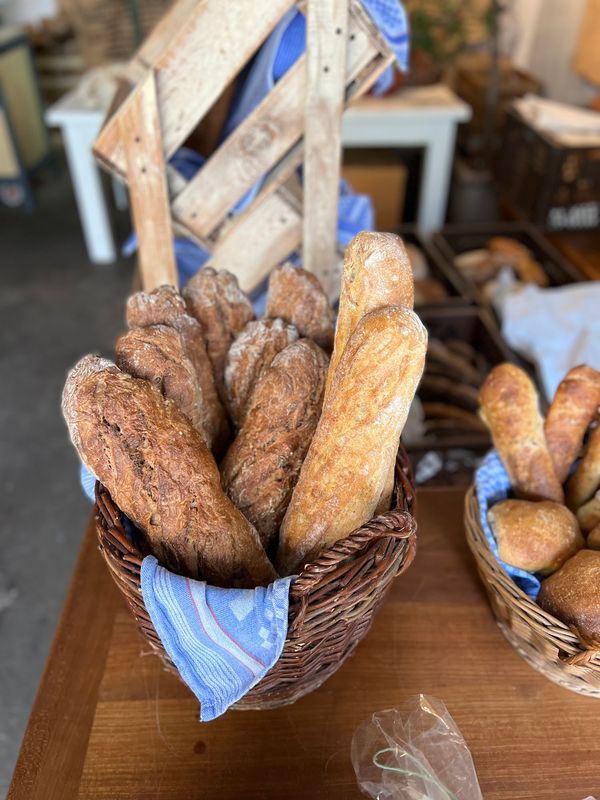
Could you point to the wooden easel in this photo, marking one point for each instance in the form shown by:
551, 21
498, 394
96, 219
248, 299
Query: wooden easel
181, 70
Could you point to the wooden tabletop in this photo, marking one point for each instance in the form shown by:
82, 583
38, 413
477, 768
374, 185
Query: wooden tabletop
109, 724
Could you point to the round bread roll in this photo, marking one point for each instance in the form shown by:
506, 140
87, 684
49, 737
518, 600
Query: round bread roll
572, 594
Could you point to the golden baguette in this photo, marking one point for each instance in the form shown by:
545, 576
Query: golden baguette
585, 481
346, 467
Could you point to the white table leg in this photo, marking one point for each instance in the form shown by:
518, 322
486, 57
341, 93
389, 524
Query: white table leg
85, 175
435, 181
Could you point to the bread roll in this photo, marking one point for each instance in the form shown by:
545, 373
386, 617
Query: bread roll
165, 306
262, 465
217, 302
593, 538
585, 481
250, 354
297, 297
161, 475
510, 409
573, 408
537, 537
572, 594
347, 466
588, 515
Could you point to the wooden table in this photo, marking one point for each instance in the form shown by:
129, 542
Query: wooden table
109, 724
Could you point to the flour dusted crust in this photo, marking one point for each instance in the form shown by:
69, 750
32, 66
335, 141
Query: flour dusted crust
297, 297
510, 409
262, 465
165, 306
217, 302
248, 357
347, 465
161, 475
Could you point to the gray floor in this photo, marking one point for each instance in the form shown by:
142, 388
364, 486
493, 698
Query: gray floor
54, 307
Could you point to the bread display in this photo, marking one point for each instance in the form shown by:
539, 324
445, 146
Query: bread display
297, 297
572, 594
572, 410
537, 537
262, 465
585, 481
484, 265
510, 408
347, 465
249, 356
159, 471
217, 302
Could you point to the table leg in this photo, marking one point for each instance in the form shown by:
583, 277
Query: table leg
85, 175
435, 181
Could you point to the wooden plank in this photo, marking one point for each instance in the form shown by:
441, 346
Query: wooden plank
326, 24
164, 32
211, 48
140, 134
261, 140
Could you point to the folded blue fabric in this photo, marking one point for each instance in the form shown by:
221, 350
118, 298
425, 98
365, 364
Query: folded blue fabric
222, 641
492, 484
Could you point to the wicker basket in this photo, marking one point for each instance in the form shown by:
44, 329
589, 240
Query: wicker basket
556, 650
332, 602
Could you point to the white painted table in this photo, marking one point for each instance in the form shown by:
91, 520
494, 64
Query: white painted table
416, 117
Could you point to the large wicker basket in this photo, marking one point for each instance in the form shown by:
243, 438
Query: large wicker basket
332, 602
556, 650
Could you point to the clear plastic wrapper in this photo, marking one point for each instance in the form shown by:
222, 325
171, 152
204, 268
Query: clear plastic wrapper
414, 753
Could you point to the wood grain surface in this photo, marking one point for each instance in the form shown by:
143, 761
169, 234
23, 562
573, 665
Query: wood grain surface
109, 724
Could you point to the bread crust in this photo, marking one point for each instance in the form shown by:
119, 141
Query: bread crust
347, 465
249, 356
574, 406
510, 409
573, 594
535, 536
297, 297
161, 475
217, 302
162, 306
262, 465
585, 481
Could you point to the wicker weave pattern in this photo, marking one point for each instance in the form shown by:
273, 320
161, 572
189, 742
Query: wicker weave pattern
332, 602
553, 648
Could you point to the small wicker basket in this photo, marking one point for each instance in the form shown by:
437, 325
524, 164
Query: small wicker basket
332, 602
556, 650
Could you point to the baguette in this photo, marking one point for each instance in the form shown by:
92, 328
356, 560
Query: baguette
573, 408
588, 515
347, 465
161, 475
510, 409
297, 297
585, 481
262, 465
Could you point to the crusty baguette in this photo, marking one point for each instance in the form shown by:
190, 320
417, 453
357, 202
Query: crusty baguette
161, 475
217, 302
250, 354
588, 515
347, 464
262, 465
510, 409
573, 408
585, 481
593, 538
297, 297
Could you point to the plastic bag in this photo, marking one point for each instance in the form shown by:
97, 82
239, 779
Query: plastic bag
415, 753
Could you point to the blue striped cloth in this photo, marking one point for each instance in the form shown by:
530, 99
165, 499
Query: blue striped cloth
492, 484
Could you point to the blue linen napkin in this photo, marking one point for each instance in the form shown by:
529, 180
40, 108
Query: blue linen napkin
492, 484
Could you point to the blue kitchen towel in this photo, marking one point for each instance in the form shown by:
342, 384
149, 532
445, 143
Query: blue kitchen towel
222, 641
492, 484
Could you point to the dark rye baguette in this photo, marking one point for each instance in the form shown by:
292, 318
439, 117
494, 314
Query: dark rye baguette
262, 465
161, 475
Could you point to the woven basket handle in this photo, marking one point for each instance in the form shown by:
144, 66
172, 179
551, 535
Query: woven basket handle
591, 649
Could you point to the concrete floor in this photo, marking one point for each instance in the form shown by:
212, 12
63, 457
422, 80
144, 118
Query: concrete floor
54, 307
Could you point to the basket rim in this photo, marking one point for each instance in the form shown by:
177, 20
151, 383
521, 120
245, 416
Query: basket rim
564, 637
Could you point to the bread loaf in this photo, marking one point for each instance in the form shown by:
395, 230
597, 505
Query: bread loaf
262, 465
347, 465
537, 537
165, 306
572, 594
250, 354
573, 408
588, 515
217, 302
161, 475
297, 297
585, 481
593, 538
510, 409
